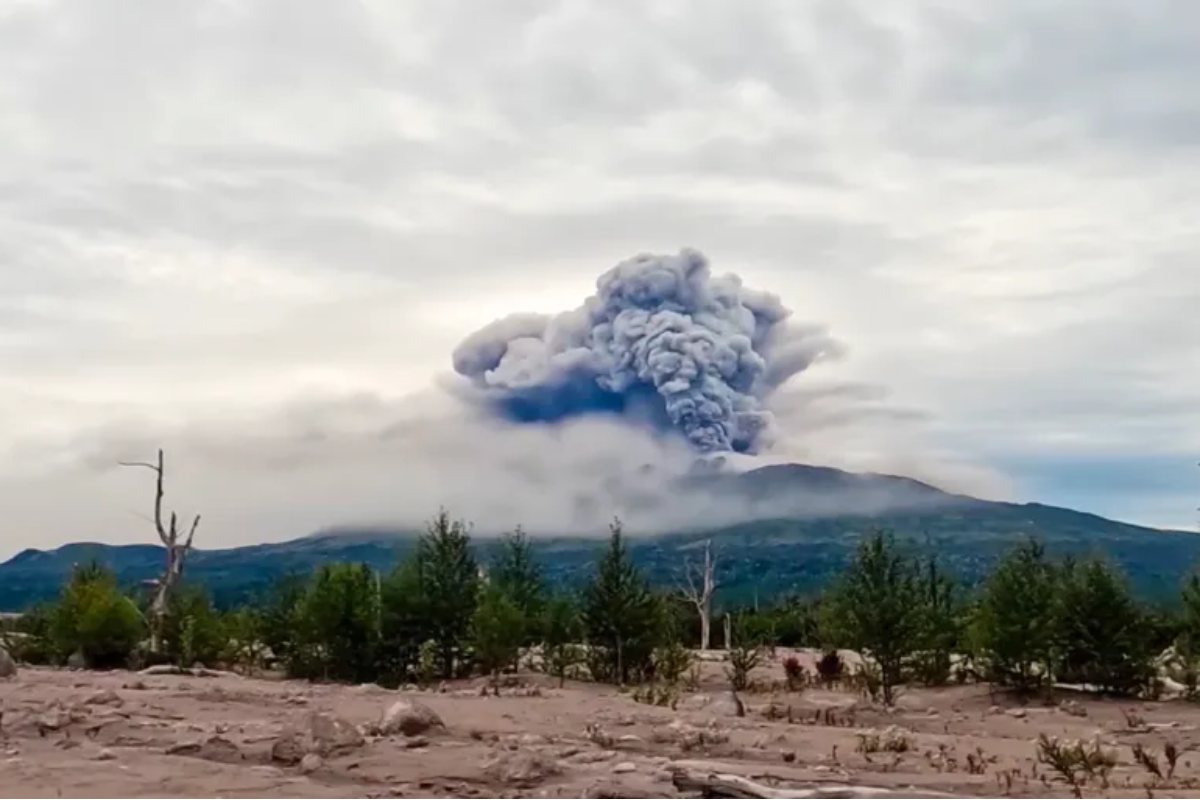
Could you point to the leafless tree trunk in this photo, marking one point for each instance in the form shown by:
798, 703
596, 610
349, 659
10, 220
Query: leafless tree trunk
176, 551
699, 589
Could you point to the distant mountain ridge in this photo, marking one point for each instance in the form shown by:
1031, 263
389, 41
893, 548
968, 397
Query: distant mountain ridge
803, 523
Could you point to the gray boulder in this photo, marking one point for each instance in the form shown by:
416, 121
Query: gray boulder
317, 733
8, 666
409, 718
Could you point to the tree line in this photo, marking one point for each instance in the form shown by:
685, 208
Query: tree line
439, 614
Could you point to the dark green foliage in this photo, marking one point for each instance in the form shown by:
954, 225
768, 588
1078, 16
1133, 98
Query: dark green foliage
516, 571
277, 614
1103, 638
767, 558
680, 619
403, 623
33, 644
940, 624
336, 625
497, 630
193, 630
876, 608
1188, 641
94, 619
672, 658
830, 667
561, 634
746, 652
791, 622
621, 617
449, 580
1013, 628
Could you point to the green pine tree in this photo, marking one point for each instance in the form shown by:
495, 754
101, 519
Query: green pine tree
1013, 627
497, 630
516, 571
336, 624
877, 608
940, 624
1102, 631
561, 635
403, 625
449, 580
620, 616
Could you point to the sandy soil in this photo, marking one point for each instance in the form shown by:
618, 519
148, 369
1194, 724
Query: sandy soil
77, 734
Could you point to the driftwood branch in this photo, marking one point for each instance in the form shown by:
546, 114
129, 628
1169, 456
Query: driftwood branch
713, 784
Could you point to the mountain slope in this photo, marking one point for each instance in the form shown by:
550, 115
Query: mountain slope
807, 520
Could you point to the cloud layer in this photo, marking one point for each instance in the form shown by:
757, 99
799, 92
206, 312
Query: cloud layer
214, 213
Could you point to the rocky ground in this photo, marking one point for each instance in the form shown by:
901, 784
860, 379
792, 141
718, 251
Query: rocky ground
78, 734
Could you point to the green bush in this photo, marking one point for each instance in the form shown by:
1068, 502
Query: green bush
1103, 637
96, 621
336, 626
193, 630
1013, 628
497, 630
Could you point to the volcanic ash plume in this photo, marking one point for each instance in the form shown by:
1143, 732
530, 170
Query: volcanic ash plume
661, 342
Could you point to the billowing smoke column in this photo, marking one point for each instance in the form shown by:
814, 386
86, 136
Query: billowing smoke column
662, 341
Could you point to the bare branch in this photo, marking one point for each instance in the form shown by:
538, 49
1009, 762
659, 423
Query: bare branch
145, 464
192, 533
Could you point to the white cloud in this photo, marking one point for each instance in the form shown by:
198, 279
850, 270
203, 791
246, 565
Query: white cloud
210, 211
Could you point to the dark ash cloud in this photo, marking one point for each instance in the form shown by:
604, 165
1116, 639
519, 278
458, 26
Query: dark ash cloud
662, 342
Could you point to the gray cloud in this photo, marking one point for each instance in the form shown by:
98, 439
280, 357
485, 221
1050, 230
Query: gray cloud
210, 211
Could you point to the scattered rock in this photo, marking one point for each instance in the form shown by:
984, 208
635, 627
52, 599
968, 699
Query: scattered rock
311, 763
104, 697
317, 732
8, 665
624, 766
410, 718
721, 704
993, 710
592, 756
76, 661
135, 685
53, 719
521, 767
1073, 707
214, 748
106, 755
1018, 713
416, 742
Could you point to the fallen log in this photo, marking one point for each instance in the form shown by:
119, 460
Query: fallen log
195, 672
723, 785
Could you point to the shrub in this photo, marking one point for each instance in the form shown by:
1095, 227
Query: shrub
193, 631
744, 656
95, 620
797, 675
831, 668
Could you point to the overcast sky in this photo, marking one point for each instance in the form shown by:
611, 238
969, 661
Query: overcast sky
254, 230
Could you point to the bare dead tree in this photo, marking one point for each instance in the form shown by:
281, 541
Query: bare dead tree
699, 585
177, 549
